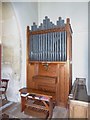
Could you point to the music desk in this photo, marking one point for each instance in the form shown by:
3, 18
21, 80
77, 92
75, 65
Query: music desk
28, 95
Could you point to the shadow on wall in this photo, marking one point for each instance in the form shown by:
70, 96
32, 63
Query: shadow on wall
11, 54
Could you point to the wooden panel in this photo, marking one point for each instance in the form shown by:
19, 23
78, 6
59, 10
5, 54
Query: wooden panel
45, 83
78, 109
50, 71
48, 31
88, 112
30, 73
45, 79
46, 87
62, 88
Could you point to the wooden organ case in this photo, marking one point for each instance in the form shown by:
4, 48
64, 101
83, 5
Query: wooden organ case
49, 56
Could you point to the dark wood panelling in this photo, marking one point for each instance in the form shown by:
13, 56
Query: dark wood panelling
50, 71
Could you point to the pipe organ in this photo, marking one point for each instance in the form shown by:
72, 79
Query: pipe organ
49, 46
49, 56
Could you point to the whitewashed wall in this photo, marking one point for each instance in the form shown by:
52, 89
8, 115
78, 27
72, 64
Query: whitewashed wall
16, 17
11, 66
78, 14
26, 14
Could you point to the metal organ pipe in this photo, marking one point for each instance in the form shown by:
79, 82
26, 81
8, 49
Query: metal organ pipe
49, 46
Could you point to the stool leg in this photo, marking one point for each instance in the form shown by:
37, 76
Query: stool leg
50, 109
5, 96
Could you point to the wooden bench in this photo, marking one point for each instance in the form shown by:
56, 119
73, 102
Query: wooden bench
37, 100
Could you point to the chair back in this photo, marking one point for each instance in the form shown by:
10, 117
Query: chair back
4, 84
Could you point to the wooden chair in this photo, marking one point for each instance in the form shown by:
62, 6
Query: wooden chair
3, 88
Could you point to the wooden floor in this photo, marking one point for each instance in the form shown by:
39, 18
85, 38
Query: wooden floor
13, 110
